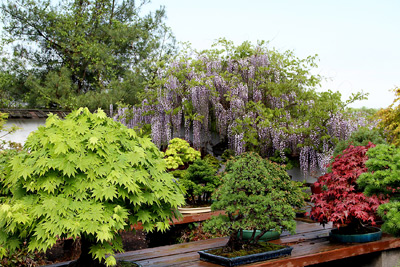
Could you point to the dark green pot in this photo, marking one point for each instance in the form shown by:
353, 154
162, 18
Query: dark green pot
356, 238
270, 235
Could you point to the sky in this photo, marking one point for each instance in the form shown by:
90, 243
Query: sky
357, 42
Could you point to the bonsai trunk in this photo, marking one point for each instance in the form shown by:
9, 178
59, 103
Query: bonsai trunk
86, 259
234, 243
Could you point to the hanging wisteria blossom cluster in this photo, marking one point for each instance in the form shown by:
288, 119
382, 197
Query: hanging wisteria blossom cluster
248, 95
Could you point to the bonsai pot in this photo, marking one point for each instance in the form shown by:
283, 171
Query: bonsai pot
225, 261
374, 235
195, 210
270, 235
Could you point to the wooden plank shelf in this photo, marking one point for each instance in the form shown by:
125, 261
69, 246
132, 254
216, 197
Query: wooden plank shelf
189, 218
310, 246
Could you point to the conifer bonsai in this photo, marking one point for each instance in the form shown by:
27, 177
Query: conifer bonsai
200, 181
90, 177
383, 177
256, 194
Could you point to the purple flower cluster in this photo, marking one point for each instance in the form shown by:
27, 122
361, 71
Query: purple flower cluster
197, 93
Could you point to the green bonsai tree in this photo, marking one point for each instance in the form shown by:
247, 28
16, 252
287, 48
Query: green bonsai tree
179, 153
90, 177
361, 137
383, 177
200, 181
256, 194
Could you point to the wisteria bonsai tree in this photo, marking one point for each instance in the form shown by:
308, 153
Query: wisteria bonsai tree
253, 98
341, 200
256, 194
383, 177
86, 176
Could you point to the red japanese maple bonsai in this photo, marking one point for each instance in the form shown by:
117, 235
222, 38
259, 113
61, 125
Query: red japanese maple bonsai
341, 201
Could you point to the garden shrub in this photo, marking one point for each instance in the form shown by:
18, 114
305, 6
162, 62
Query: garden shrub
86, 176
179, 153
341, 200
212, 161
389, 119
383, 177
227, 154
200, 181
361, 137
256, 194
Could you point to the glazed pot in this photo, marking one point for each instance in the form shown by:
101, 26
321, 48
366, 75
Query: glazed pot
195, 210
224, 261
270, 235
356, 238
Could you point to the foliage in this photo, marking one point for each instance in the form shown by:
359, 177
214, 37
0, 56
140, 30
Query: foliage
254, 98
255, 194
200, 181
212, 161
86, 176
5, 130
67, 54
361, 137
179, 174
6, 156
195, 232
341, 200
23, 257
179, 153
7, 151
383, 177
390, 119
227, 154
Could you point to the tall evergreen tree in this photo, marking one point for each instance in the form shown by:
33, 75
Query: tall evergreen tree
81, 52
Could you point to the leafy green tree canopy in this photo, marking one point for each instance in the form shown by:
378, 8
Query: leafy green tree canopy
383, 177
82, 52
256, 194
254, 98
90, 177
390, 119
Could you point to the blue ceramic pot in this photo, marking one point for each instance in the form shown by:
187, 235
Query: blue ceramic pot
356, 238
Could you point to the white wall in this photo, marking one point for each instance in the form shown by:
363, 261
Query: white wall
26, 125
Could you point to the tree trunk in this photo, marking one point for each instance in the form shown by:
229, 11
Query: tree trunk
233, 243
86, 259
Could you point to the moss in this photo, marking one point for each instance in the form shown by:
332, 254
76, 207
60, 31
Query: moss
254, 249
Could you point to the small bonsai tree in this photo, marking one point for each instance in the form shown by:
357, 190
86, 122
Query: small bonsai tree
179, 153
256, 194
383, 177
90, 177
200, 181
341, 200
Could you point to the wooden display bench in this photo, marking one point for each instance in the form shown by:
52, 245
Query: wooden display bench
189, 218
310, 246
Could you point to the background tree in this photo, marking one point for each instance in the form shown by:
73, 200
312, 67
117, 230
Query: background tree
390, 120
252, 97
82, 52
